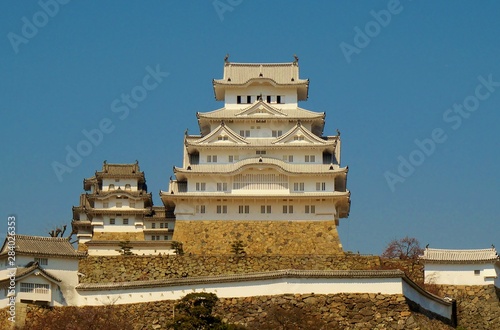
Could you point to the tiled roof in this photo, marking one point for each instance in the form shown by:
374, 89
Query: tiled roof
281, 73
297, 113
234, 168
287, 273
278, 74
269, 143
120, 168
460, 256
42, 246
26, 271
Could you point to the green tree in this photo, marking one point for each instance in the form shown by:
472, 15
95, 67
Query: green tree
178, 248
194, 312
238, 248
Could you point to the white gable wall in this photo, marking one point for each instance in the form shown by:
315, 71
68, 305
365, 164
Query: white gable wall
461, 274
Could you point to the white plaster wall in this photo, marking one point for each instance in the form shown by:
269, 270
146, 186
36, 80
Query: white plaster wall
325, 210
290, 95
112, 200
460, 274
120, 184
246, 289
426, 302
244, 153
103, 224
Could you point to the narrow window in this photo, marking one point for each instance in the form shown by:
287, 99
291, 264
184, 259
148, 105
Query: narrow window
477, 272
200, 186
125, 221
310, 158
200, 208
42, 261
111, 221
310, 209
153, 225
268, 99
278, 99
238, 99
221, 209
221, 186
298, 186
320, 186
249, 99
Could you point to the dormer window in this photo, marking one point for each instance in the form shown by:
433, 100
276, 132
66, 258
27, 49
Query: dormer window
127, 187
111, 187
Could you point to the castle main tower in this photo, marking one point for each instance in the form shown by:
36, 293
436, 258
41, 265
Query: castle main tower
260, 171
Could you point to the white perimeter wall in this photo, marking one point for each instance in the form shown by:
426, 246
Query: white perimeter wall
245, 289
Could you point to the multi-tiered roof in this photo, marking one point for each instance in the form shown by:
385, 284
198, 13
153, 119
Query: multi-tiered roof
260, 145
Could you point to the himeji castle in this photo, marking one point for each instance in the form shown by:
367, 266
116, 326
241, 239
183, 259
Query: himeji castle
259, 163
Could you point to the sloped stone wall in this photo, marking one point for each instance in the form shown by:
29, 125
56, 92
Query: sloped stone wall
99, 269
478, 306
260, 237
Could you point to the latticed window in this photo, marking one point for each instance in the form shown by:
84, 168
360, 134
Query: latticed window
310, 158
265, 209
260, 182
221, 186
221, 209
320, 186
42, 261
298, 186
35, 288
310, 209
244, 209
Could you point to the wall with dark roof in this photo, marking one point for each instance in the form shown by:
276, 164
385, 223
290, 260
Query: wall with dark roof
338, 311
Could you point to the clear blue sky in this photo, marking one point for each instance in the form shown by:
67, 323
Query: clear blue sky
414, 71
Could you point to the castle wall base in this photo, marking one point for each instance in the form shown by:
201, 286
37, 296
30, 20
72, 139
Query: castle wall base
259, 237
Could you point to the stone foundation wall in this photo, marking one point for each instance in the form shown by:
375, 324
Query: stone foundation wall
260, 237
340, 311
414, 269
98, 269
478, 306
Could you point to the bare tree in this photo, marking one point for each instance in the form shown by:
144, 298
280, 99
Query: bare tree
407, 248
58, 231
